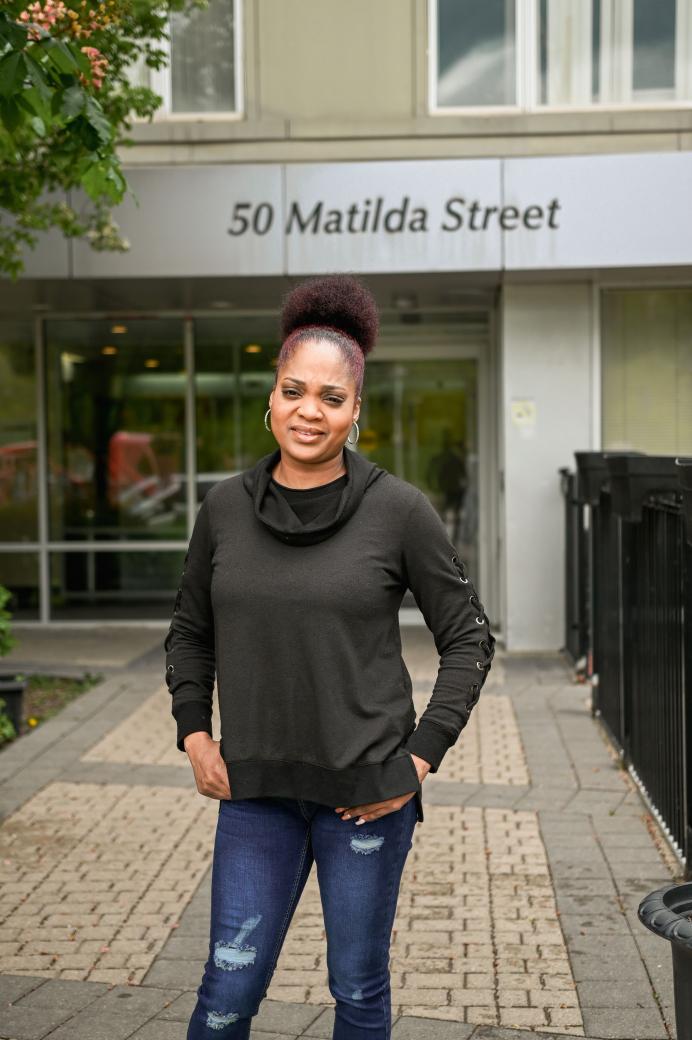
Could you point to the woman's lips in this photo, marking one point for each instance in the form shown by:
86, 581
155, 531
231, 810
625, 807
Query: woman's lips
305, 435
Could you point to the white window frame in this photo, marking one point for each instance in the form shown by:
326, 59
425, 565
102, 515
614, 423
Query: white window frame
160, 80
527, 71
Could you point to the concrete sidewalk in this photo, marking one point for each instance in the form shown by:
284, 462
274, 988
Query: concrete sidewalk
517, 911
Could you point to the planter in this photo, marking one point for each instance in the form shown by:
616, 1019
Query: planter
12, 692
593, 473
668, 913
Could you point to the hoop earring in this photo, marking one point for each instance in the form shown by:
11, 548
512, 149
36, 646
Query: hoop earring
268, 428
357, 433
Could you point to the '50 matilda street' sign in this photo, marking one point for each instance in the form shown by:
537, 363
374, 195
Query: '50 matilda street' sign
429, 215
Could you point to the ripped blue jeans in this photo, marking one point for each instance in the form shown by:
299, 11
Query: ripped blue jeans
263, 853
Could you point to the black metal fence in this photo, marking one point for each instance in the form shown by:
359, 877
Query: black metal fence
628, 576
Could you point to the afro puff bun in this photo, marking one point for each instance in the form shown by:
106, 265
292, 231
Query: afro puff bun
337, 300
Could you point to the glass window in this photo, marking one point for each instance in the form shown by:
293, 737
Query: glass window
419, 419
18, 457
562, 53
653, 48
613, 51
203, 59
647, 372
114, 585
116, 429
19, 574
234, 375
202, 73
475, 48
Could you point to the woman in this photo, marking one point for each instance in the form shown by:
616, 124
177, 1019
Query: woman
290, 596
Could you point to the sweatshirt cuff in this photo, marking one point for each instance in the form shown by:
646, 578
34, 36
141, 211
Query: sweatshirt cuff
429, 742
191, 718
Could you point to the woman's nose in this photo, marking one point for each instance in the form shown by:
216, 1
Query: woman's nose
309, 409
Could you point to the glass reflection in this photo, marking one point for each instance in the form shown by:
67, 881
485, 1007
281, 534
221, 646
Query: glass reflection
419, 420
203, 58
18, 460
114, 585
476, 48
19, 574
116, 429
234, 375
618, 52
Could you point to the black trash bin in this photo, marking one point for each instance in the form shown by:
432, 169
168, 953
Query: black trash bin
668, 913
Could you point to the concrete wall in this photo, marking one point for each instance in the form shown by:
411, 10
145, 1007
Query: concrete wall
546, 352
332, 60
328, 80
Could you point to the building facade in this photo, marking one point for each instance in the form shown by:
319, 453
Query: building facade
512, 181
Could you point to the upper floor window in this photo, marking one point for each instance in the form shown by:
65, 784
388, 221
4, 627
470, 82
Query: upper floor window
530, 54
203, 68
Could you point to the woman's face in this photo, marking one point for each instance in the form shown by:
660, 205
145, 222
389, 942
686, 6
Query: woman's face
313, 405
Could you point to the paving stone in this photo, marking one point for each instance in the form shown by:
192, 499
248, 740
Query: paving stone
180, 974
411, 1028
586, 967
624, 1024
31, 1023
625, 993
278, 1017
160, 1029
14, 987
62, 994
180, 1008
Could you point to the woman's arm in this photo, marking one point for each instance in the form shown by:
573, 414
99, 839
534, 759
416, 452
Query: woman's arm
189, 645
454, 614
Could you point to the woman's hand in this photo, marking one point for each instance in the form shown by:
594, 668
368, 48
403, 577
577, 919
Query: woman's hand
211, 775
373, 810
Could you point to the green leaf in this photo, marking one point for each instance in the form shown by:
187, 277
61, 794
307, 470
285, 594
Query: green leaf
10, 114
38, 125
38, 77
73, 101
34, 103
12, 73
115, 183
65, 58
30, 102
94, 181
80, 128
98, 120
12, 33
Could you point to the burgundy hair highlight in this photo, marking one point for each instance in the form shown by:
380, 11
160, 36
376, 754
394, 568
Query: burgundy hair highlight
337, 308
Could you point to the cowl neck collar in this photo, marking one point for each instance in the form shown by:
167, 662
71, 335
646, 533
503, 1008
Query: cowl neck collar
274, 512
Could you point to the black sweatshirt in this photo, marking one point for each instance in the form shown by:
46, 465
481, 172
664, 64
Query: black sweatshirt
298, 623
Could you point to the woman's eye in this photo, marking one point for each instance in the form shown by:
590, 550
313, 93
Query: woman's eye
290, 391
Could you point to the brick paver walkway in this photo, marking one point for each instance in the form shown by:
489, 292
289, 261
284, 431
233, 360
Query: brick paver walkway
517, 909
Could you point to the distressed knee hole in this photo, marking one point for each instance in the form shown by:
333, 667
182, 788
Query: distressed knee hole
357, 994
234, 954
366, 844
217, 1019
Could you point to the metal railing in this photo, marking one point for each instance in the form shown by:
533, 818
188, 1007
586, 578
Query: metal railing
629, 618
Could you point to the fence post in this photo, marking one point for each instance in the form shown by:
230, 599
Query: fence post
591, 473
685, 478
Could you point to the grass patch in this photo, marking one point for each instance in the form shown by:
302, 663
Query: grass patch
46, 696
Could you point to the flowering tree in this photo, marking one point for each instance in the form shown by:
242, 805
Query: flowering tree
65, 100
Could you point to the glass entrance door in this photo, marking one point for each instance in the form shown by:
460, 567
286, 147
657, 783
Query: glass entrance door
116, 462
143, 415
419, 419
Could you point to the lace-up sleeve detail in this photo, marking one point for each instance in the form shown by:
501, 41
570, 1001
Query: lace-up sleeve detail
461, 629
189, 644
